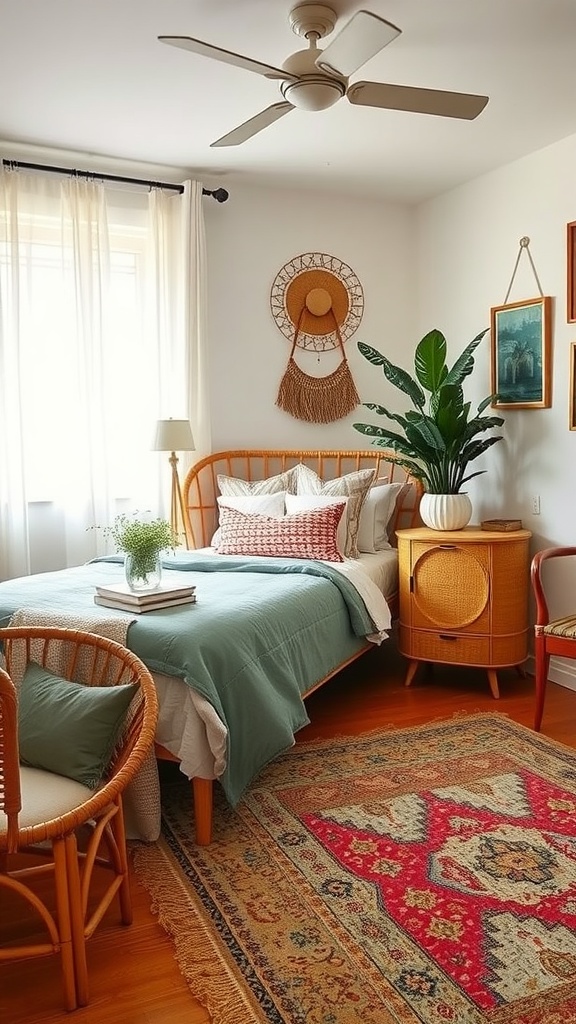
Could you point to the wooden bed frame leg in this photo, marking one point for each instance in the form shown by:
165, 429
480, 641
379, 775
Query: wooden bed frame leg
203, 803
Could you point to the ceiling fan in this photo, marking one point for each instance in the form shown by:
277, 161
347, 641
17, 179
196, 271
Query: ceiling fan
315, 79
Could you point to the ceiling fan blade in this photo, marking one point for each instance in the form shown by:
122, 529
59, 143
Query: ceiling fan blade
420, 101
360, 39
245, 131
227, 57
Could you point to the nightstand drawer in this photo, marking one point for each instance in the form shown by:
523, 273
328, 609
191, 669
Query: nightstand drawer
451, 648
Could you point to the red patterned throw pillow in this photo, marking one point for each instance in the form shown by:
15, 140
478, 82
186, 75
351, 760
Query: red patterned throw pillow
310, 534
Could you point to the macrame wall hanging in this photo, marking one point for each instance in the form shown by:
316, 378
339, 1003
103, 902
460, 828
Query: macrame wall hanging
317, 303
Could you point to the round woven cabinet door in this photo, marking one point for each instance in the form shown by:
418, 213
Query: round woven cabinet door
451, 587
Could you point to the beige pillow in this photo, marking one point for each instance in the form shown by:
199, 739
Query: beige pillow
354, 486
232, 486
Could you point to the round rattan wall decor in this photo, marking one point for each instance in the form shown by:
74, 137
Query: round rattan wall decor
313, 293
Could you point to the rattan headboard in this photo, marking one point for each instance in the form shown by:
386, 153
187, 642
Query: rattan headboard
201, 487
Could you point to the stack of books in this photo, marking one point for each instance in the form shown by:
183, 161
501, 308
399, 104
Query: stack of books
119, 595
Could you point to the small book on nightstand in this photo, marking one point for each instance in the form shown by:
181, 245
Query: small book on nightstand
501, 525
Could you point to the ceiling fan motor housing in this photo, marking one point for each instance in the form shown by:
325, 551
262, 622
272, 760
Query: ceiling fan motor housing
315, 89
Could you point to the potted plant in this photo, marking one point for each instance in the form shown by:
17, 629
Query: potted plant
142, 542
439, 437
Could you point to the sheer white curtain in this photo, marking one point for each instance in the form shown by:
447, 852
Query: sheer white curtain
101, 333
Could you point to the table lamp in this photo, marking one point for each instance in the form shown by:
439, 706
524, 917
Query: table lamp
175, 436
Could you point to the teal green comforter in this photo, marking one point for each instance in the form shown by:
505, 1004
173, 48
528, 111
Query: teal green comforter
261, 634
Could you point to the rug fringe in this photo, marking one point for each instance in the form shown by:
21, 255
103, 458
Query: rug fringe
200, 960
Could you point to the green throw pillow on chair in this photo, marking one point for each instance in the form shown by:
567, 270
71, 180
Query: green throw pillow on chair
68, 728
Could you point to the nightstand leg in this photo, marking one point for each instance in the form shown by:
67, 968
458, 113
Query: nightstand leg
493, 680
412, 669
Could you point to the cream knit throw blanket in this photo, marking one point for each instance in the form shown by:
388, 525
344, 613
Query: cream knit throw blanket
142, 796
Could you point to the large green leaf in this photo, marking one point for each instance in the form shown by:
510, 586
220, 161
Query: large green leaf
417, 471
450, 414
425, 437
430, 360
395, 441
484, 405
400, 378
479, 424
473, 449
371, 354
380, 410
465, 363
405, 383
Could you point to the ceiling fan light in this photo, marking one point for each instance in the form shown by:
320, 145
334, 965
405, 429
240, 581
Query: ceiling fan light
313, 95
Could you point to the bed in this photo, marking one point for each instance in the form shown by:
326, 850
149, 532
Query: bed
225, 722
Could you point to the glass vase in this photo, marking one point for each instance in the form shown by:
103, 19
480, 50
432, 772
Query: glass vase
143, 572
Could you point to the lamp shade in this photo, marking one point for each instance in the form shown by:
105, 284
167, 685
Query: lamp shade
173, 436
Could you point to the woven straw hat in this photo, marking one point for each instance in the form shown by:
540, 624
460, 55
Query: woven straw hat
317, 291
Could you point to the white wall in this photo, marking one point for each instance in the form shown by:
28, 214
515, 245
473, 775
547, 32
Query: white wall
441, 265
249, 240
467, 243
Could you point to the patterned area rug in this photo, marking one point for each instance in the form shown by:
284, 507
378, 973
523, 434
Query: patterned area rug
423, 875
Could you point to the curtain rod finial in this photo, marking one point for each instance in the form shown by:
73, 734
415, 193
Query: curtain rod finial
219, 194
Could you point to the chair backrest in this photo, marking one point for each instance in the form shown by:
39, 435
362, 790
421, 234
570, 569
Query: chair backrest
92, 660
10, 797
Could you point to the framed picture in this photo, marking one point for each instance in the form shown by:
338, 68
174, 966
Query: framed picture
571, 270
572, 410
521, 334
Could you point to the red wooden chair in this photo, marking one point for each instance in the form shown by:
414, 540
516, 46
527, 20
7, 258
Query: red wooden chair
551, 637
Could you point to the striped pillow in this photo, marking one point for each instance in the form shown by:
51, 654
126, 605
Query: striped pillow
233, 486
310, 534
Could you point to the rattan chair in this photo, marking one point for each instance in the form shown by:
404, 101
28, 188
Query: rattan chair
81, 830
550, 637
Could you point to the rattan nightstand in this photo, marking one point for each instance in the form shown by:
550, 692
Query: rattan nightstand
464, 598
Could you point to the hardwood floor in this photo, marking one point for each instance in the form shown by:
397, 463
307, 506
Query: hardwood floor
133, 975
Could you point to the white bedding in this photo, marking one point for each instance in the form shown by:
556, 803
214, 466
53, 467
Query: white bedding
189, 728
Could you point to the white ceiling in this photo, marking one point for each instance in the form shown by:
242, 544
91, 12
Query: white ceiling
92, 78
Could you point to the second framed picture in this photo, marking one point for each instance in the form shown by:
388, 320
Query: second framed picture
571, 272
521, 338
572, 407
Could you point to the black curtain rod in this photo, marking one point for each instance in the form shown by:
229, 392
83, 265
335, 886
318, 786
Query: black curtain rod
220, 194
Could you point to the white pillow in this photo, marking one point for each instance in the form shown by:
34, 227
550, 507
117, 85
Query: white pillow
255, 504
304, 502
375, 515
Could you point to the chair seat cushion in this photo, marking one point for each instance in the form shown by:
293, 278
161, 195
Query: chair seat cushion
562, 627
46, 796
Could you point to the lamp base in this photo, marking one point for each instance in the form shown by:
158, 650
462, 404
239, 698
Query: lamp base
178, 517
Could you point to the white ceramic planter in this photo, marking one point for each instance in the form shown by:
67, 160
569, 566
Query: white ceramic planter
445, 511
